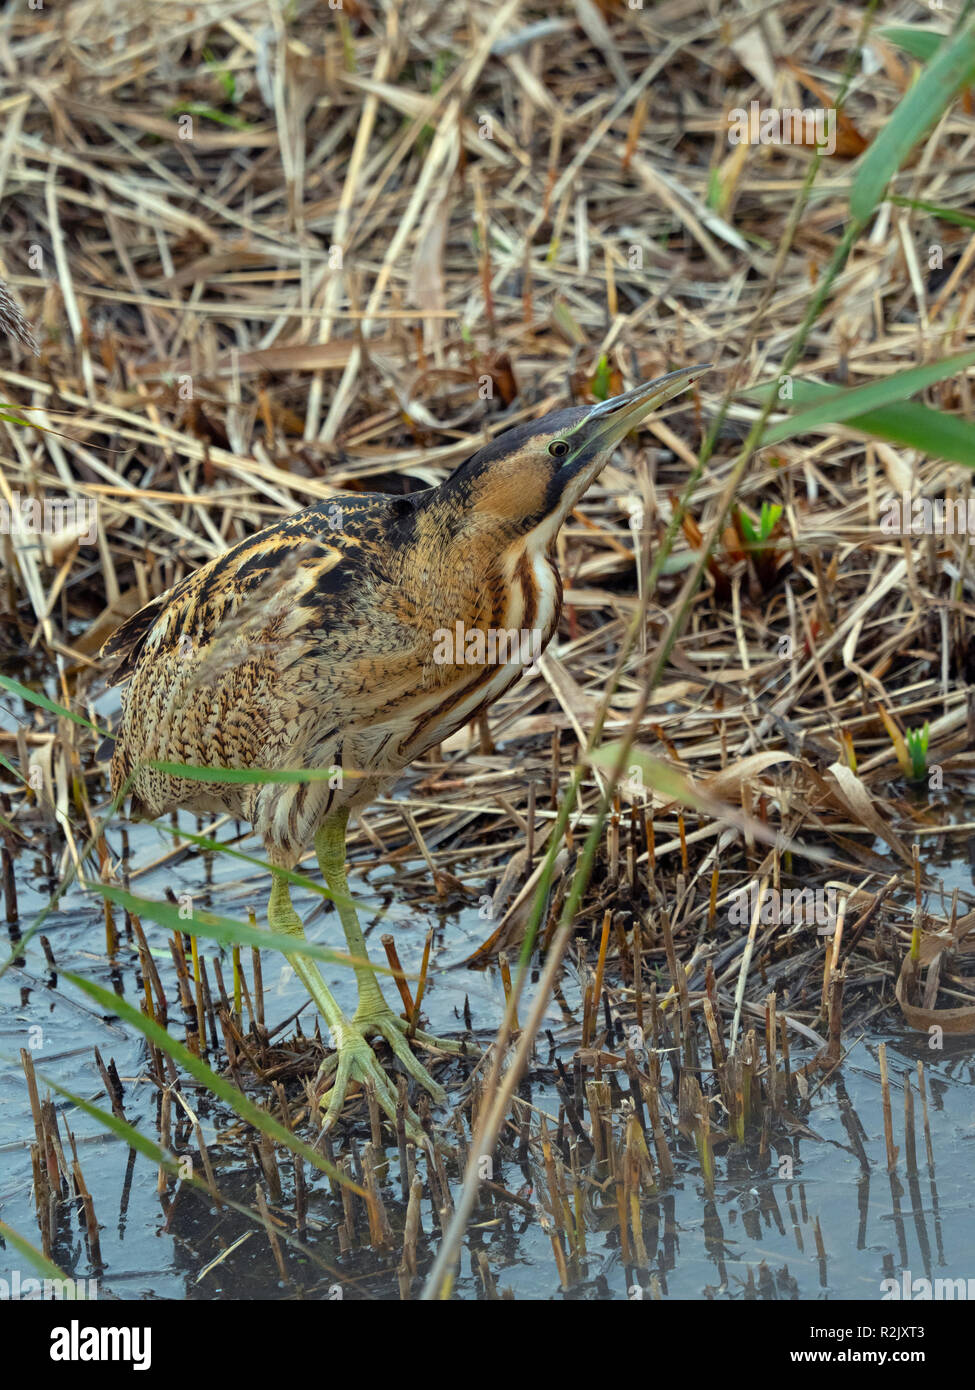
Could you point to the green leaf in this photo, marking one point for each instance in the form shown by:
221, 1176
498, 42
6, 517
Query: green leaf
34, 698
771, 511
907, 423
951, 69
15, 772
933, 433
677, 564
842, 404
767, 519
16, 419
960, 219
225, 930
221, 847
656, 774
747, 528
919, 43
715, 190
600, 380
41, 1263
223, 75
290, 875
209, 113
917, 747
193, 772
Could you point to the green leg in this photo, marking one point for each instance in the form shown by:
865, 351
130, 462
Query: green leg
373, 1015
353, 1057
330, 851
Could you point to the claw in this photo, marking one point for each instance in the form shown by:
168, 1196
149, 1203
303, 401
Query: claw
354, 1060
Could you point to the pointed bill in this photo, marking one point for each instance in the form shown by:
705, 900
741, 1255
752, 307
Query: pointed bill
610, 421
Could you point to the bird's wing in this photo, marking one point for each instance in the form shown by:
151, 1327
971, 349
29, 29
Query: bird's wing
307, 645
243, 661
290, 559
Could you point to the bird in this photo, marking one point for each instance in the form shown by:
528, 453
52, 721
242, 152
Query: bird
353, 636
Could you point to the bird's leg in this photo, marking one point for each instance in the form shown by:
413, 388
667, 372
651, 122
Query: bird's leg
330, 850
373, 1015
355, 1059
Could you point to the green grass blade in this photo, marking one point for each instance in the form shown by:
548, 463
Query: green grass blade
771, 511
291, 876
951, 69
195, 772
210, 113
913, 426
41, 1263
15, 772
919, 43
227, 931
906, 423
960, 219
748, 532
34, 698
18, 420
844, 403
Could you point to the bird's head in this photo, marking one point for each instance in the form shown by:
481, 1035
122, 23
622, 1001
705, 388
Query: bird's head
529, 478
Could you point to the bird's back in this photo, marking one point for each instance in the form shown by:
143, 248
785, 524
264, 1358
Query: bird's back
211, 660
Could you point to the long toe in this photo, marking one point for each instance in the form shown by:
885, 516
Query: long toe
389, 1028
354, 1060
384, 1022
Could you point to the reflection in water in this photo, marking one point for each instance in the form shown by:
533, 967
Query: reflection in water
808, 1212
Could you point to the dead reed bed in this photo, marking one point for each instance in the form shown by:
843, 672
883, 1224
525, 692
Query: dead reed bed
269, 252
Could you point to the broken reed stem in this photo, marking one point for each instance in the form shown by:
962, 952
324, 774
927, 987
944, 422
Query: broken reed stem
393, 961
421, 985
910, 1144
198, 987
271, 1234
923, 1092
505, 968
412, 1228
713, 897
888, 1112
601, 965
771, 1034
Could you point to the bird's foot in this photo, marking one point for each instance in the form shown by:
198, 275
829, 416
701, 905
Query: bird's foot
354, 1060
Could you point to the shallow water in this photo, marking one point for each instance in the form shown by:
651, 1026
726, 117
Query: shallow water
833, 1226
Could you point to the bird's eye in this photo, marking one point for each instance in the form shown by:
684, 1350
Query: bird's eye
558, 448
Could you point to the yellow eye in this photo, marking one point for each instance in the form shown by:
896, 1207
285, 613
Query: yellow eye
558, 448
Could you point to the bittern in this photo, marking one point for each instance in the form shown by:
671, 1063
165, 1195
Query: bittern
317, 643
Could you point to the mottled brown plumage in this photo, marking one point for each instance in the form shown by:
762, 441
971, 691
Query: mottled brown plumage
308, 646
314, 644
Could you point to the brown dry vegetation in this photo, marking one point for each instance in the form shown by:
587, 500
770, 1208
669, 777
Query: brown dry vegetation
386, 236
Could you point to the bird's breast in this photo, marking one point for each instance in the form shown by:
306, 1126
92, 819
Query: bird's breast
548, 596
512, 612
535, 596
